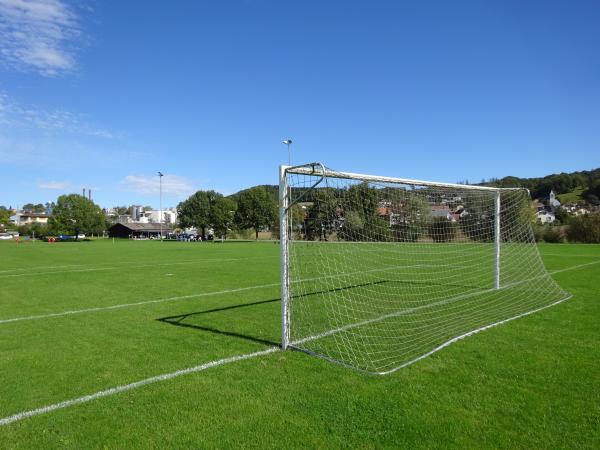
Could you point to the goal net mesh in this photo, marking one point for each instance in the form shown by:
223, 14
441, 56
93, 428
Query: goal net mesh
382, 273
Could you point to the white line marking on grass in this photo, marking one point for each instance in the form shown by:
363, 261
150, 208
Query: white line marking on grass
568, 255
22, 269
579, 266
229, 291
119, 266
128, 387
30, 274
186, 297
145, 302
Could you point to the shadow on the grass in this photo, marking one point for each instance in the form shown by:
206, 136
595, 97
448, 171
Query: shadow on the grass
179, 320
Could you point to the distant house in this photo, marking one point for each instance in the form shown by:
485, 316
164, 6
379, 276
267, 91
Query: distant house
581, 212
545, 216
137, 230
26, 218
441, 211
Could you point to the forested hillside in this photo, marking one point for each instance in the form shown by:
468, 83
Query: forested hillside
585, 181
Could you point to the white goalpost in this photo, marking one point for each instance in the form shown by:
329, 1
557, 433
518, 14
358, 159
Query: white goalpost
379, 272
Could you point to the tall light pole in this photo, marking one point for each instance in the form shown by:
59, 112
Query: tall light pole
288, 142
160, 175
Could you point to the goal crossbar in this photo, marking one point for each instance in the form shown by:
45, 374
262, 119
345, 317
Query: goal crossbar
318, 169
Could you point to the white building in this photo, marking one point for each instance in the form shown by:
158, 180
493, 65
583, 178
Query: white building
545, 216
26, 218
167, 216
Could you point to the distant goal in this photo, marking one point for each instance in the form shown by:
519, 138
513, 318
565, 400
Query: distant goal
379, 272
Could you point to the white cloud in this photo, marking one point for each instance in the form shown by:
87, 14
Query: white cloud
150, 185
13, 114
38, 35
54, 185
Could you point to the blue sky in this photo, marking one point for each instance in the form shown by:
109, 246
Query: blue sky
104, 94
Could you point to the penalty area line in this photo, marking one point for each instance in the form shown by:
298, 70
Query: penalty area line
127, 387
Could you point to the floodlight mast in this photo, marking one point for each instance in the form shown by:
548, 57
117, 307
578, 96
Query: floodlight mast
160, 175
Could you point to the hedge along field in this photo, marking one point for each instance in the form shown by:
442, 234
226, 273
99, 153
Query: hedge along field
130, 311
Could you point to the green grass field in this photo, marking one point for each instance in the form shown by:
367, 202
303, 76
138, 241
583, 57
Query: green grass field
81, 318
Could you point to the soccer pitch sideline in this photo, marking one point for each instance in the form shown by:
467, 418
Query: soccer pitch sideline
174, 345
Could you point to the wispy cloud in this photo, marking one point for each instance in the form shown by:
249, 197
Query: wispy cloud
150, 185
54, 185
13, 114
39, 36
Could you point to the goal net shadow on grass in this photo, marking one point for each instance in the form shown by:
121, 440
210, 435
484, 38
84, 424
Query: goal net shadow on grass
428, 262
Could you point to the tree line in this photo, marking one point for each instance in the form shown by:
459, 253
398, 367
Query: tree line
351, 214
562, 183
254, 208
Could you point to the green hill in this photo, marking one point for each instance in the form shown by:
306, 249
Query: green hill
569, 187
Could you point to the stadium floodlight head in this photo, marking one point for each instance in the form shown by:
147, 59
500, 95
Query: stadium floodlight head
288, 142
160, 174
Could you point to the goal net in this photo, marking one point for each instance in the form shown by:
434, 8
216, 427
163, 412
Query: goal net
379, 272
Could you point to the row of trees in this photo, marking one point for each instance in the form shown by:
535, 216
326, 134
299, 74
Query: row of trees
356, 214
254, 208
72, 215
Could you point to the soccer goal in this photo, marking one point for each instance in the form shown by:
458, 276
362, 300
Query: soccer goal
379, 272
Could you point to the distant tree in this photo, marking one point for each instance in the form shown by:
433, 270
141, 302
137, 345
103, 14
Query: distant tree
35, 229
4, 216
121, 210
561, 216
222, 214
148, 208
322, 216
442, 229
413, 214
38, 208
298, 215
585, 229
256, 209
361, 218
75, 214
197, 210
592, 194
552, 234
